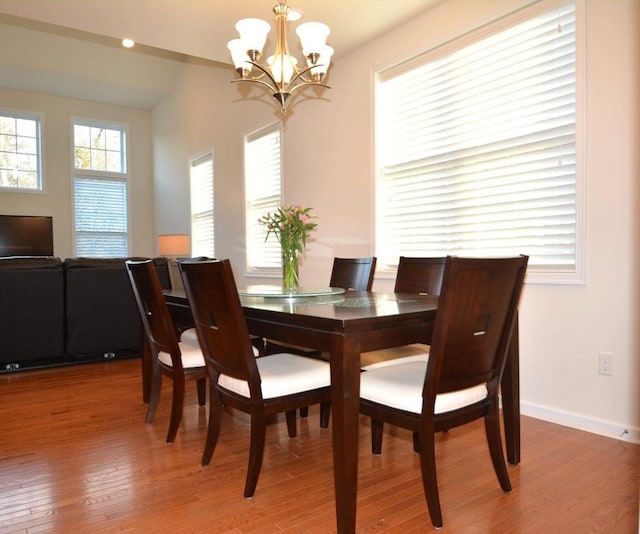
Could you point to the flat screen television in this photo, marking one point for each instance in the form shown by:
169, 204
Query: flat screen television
26, 235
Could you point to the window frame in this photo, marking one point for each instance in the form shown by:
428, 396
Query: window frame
105, 176
253, 231
535, 274
38, 117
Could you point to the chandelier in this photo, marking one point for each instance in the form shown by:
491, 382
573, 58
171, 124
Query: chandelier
281, 74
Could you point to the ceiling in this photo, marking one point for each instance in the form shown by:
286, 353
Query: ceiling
58, 46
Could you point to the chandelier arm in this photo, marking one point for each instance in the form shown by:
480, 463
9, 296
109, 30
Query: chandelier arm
265, 71
301, 72
306, 82
255, 80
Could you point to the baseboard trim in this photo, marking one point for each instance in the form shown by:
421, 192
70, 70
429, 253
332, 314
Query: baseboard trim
580, 422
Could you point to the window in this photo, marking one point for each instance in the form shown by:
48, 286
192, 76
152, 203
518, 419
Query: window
20, 161
100, 190
202, 241
476, 149
263, 193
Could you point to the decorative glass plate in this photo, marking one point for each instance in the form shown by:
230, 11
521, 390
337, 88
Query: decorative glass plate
273, 291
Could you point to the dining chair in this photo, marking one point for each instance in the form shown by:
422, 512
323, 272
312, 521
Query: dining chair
421, 275
461, 380
259, 387
354, 274
178, 360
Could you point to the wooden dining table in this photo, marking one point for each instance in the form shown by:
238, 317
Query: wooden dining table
343, 326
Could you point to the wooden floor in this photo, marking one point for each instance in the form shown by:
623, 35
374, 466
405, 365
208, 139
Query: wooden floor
76, 456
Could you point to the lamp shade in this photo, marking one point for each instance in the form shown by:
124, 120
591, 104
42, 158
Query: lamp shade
239, 54
172, 245
324, 59
253, 33
313, 36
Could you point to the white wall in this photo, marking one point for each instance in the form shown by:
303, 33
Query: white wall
328, 165
57, 198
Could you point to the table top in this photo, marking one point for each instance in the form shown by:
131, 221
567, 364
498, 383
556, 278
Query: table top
348, 306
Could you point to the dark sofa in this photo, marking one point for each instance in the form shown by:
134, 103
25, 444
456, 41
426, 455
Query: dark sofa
32, 312
55, 312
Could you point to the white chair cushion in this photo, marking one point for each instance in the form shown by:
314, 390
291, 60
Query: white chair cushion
374, 359
191, 356
283, 374
190, 336
400, 386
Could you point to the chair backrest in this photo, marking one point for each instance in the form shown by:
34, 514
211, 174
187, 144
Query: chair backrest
156, 319
353, 273
419, 275
476, 311
219, 319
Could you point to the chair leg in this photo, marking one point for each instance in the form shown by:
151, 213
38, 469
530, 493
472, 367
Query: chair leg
325, 412
304, 412
154, 394
256, 452
291, 423
416, 442
376, 435
215, 422
492, 429
201, 385
177, 404
429, 478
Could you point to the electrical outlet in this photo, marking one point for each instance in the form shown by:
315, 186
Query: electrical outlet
605, 363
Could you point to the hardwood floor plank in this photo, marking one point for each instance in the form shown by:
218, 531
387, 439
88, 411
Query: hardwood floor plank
76, 456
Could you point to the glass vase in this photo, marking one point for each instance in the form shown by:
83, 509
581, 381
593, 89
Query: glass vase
289, 270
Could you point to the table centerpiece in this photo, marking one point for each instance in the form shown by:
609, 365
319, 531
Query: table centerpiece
291, 225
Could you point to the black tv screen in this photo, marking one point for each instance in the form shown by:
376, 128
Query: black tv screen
26, 235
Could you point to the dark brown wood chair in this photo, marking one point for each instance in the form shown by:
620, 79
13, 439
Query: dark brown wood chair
353, 273
461, 380
178, 360
415, 275
257, 386
419, 275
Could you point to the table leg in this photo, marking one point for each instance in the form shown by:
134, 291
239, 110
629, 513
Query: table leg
510, 389
146, 370
345, 400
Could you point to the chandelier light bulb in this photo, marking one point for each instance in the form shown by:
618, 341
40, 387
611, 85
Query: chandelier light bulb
282, 64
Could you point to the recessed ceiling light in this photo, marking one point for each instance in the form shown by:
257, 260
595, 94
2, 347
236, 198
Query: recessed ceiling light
128, 43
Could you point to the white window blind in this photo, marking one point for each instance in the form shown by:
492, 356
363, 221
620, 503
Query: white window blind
20, 142
476, 149
100, 217
263, 193
202, 228
100, 189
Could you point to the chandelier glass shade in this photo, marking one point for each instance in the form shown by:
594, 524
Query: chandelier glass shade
281, 73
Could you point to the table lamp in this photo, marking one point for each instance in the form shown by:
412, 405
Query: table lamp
173, 246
